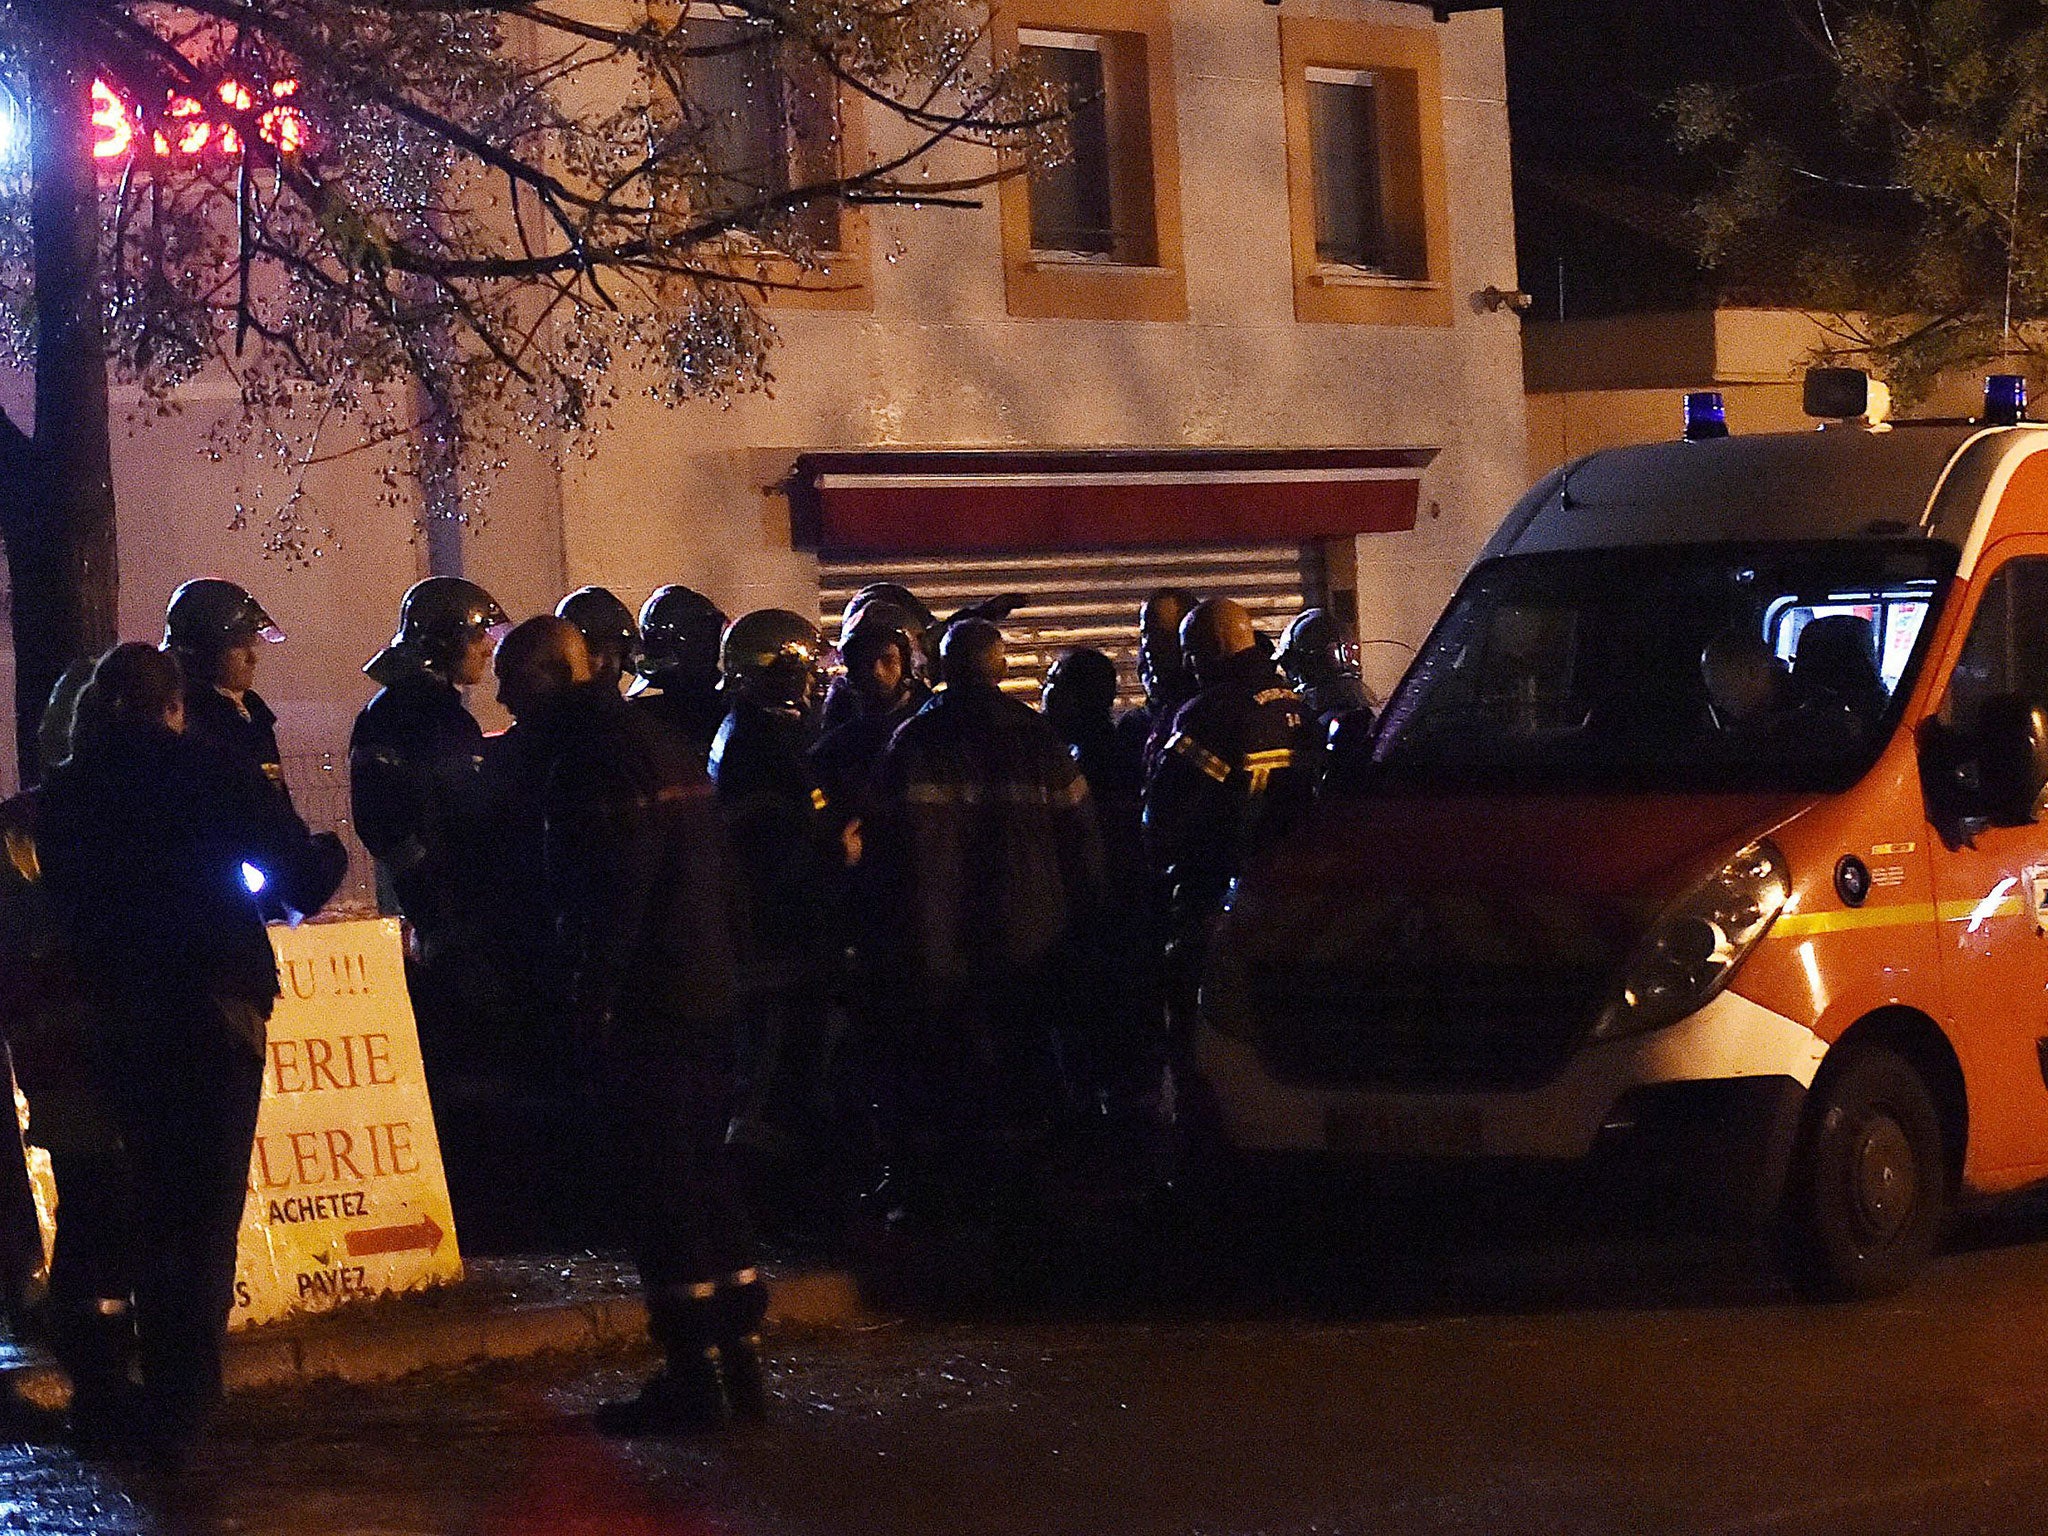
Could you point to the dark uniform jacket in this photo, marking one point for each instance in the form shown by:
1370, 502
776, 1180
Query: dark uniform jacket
984, 831
782, 846
1343, 717
414, 763
845, 755
841, 704
1116, 785
142, 838
251, 741
692, 714
1340, 696
519, 922
211, 716
635, 864
1143, 731
41, 1003
1236, 766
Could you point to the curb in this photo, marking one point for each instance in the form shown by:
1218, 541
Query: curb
329, 1349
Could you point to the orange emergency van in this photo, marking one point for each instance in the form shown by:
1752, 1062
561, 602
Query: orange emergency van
1707, 825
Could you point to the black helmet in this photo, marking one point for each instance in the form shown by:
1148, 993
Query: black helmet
606, 622
1079, 690
206, 614
436, 618
921, 618
772, 656
1215, 630
881, 622
1313, 650
679, 632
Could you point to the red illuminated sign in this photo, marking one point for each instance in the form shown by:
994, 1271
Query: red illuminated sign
190, 130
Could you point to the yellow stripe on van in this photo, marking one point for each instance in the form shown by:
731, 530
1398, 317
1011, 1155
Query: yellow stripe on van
1800, 925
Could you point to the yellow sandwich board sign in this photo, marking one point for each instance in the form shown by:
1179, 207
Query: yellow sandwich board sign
347, 1198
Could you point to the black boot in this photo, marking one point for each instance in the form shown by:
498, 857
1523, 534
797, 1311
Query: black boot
688, 1393
684, 1396
95, 1341
744, 1303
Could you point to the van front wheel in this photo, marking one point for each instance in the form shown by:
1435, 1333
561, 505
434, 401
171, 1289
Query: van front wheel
1868, 1193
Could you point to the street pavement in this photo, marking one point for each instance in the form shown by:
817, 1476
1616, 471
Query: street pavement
1619, 1385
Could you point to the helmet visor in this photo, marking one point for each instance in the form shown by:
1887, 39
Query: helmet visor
496, 622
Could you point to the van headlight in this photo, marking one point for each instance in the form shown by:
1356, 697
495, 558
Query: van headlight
1693, 950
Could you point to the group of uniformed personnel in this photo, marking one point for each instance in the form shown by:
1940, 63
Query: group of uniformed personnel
924, 872
761, 945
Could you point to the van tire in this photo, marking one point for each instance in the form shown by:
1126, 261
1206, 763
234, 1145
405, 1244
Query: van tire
1868, 1194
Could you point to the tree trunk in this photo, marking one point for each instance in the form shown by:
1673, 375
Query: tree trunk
58, 515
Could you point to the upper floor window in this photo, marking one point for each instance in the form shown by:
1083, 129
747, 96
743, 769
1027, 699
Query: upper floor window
773, 123
1365, 172
1096, 205
1367, 199
1097, 237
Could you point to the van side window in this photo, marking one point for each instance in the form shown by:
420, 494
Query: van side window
2007, 651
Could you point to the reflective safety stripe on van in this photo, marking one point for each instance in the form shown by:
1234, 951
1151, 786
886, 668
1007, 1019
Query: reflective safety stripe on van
2000, 902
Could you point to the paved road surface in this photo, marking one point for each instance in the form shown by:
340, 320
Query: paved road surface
1619, 1388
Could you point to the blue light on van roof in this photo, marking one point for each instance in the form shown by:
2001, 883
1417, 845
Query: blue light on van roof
1706, 416
2005, 399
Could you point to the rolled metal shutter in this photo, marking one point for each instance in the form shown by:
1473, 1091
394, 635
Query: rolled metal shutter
1085, 598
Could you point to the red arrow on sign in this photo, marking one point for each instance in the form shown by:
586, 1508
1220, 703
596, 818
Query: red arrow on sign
425, 1233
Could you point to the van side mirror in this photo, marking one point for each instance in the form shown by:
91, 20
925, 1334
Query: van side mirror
1993, 773
2011, 752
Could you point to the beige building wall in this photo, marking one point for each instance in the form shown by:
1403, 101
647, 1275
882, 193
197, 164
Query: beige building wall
687, 495
690, 494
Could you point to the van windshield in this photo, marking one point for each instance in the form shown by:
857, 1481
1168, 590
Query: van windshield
1707, 665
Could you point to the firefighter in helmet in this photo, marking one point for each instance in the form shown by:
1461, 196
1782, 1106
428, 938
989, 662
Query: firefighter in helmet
1322, 664
633, 856
842, 701
787, 861
414, 760
216, 630
680, 631
880, 654
1236, 765
1162, 672
985, 842
608, 630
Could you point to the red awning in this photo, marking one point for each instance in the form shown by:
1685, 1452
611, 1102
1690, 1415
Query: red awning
976, 501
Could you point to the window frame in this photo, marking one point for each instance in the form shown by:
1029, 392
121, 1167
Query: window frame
1138, 66
840, 279
1406, 67
1114, 111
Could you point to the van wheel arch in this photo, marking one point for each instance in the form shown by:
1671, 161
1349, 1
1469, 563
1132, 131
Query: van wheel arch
1913, 1035
1870, 1183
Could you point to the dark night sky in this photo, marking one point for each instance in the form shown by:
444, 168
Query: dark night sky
1585, 80
1585, 76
